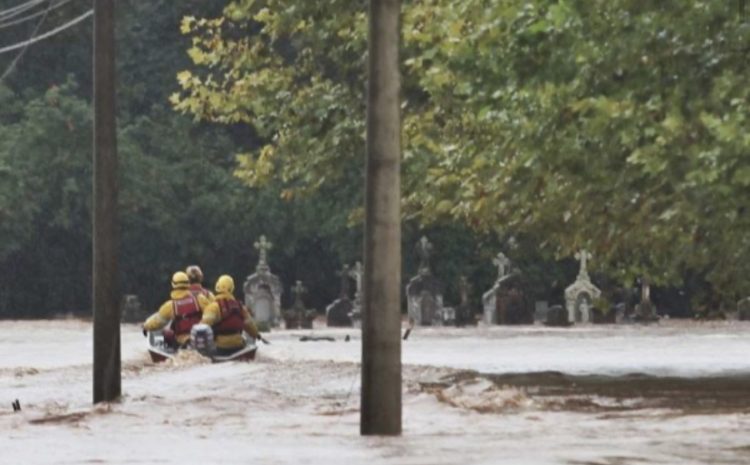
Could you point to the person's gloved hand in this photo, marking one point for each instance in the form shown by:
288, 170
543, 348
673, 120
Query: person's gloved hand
145, 333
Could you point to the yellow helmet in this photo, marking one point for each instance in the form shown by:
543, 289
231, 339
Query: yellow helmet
194, 273
180, 280
225, 283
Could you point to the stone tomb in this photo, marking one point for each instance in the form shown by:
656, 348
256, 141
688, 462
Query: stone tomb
580, 296
298, 316
263, 289
506, 302
424, 292
339, 312
464, 315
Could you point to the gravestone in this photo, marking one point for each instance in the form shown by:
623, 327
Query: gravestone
645, 311
464, 316
424, 292
263, 289
132, 310
338, 313
580, 296
557, 316
506, 303
298, 316
743, 309
541, 307
623, 300
356, 273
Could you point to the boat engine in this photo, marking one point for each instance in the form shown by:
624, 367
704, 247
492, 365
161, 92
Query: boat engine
202, 337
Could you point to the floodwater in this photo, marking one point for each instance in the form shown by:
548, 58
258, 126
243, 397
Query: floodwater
669, 393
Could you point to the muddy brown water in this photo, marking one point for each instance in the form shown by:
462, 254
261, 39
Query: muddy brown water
600, 394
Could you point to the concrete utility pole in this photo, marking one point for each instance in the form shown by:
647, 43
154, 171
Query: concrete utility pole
381, 313
106, 295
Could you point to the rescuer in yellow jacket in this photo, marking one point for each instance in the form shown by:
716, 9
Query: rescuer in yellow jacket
228, 318
183, 309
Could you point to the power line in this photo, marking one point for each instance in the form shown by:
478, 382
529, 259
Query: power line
18, 9
47, 34
23, 19
12, 65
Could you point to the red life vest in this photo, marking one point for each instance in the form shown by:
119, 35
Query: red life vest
196, 289
232, 321
187, 313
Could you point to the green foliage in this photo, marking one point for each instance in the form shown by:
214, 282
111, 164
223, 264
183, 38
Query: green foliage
179, 204
612, 125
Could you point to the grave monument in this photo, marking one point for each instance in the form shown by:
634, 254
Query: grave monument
580, 296
424, 292
263, 289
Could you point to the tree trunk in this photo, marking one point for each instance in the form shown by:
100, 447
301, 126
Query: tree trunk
381, 312
106, 299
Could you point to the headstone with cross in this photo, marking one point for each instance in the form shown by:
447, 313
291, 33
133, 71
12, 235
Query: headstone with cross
580, 296
298, 315
503, 265
263, 289
424, 291
506, 303
338, 313
263, 247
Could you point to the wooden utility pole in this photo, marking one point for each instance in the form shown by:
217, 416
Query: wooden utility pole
106, 295
381, 312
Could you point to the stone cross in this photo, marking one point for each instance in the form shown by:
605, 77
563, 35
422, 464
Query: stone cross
344, 273
357, 273
298, 290
503, 265
424, 250
584, 257
263, 247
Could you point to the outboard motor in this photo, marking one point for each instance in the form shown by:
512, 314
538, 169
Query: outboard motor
202, 337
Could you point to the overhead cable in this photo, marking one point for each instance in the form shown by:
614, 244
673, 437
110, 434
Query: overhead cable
13, 63
23, 19
47, 34
18, 9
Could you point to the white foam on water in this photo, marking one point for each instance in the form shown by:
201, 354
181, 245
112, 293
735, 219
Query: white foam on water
298, 402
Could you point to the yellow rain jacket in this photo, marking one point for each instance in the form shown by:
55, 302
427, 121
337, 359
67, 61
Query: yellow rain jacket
165, 314
212, 316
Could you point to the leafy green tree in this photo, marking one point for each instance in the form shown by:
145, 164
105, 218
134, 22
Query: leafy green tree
180, 204
612, 125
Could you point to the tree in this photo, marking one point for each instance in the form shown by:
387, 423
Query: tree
612, 125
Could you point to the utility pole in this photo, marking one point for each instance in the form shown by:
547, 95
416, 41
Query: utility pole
381, 312
106, 302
